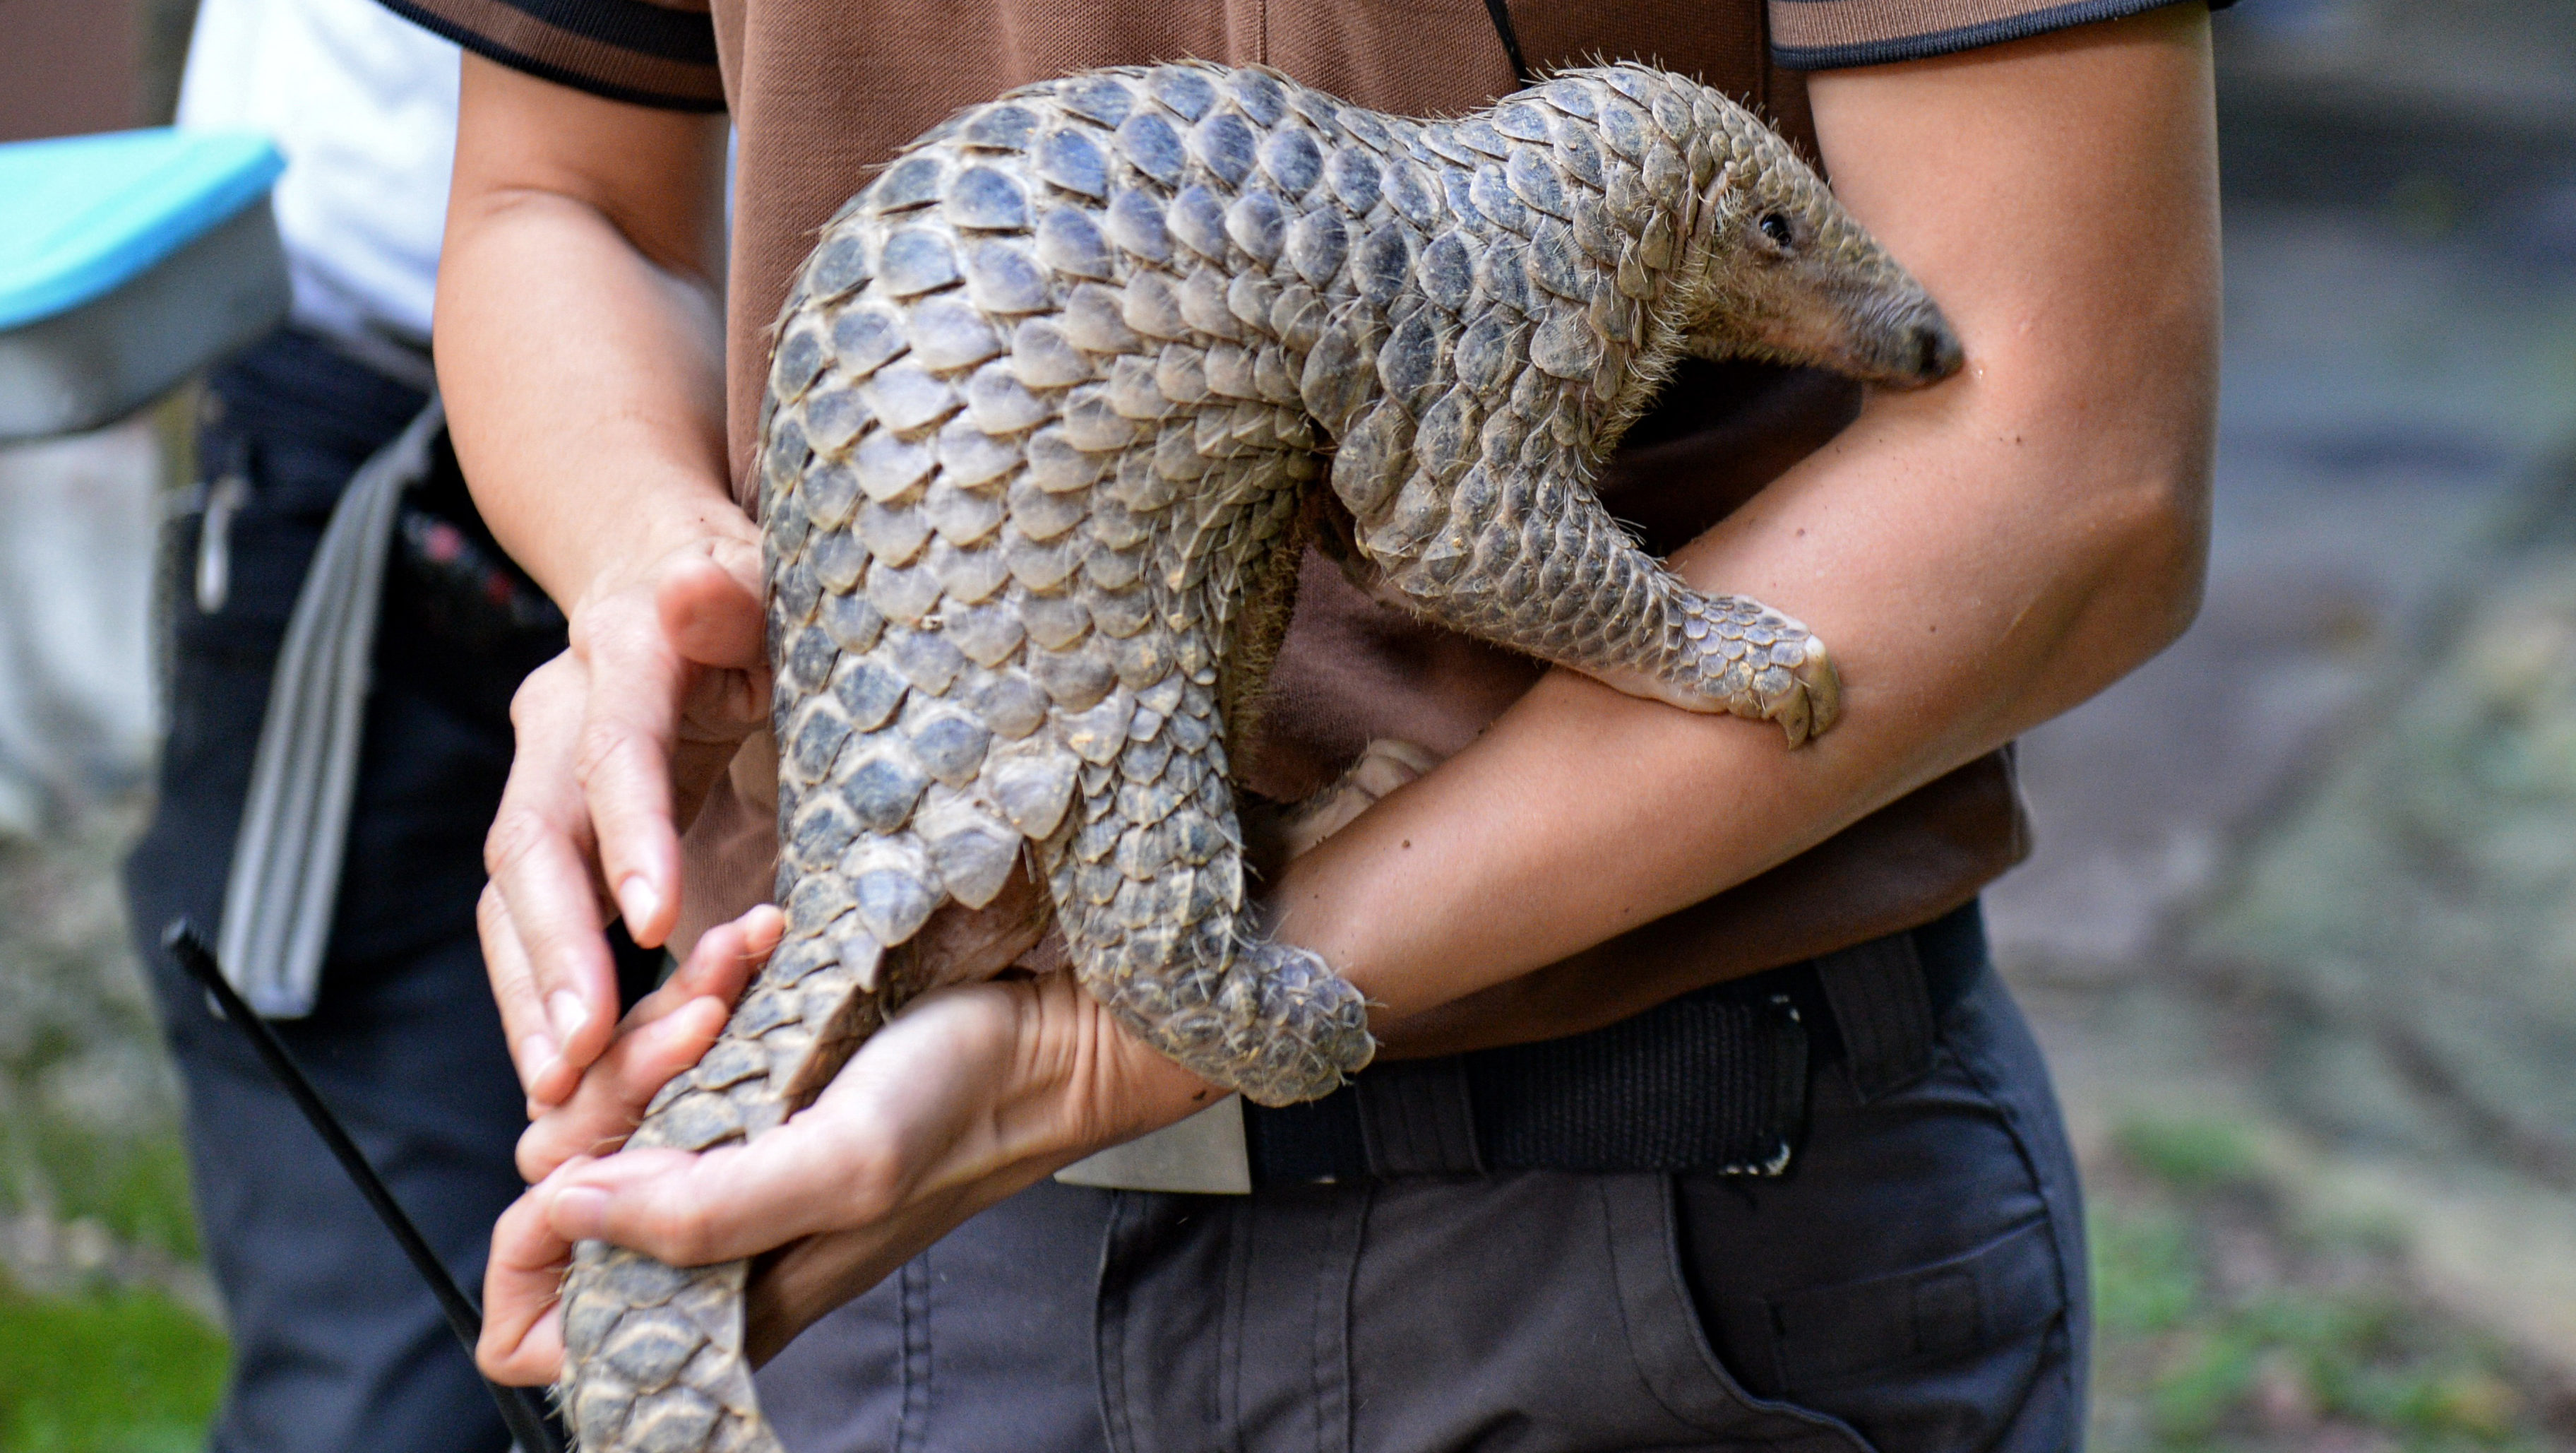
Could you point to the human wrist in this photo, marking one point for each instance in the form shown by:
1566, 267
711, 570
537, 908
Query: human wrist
636, 547
1097, 1084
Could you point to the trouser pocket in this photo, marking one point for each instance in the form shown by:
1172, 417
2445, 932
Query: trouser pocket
1674, 1357
1912, 1276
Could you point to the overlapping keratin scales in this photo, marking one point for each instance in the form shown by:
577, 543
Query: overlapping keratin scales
1048, 401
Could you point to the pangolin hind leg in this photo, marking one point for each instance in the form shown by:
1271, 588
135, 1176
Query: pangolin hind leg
1149, 888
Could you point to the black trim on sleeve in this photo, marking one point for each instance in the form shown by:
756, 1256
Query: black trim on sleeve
683, 40
644, 28
1966, 37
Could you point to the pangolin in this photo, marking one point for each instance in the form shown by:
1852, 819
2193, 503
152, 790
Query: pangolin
1055, 405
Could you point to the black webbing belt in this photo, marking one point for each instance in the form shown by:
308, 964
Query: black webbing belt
1714, 1081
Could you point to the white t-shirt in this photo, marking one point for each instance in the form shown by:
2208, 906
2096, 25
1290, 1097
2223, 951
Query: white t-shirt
363, 104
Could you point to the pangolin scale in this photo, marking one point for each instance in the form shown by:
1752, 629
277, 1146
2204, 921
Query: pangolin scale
1056, 403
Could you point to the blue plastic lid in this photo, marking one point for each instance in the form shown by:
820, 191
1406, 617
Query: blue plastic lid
81, 215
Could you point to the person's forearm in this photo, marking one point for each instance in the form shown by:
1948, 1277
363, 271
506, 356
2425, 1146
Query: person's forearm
1979, 557
580, 349
580, 344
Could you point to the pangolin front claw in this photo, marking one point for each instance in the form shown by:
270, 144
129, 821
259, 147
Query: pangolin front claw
1813, 701
1797, 687
1738, 656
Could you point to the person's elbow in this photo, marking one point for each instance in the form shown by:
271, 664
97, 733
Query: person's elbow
2142, 484
2111, 456
2158, 557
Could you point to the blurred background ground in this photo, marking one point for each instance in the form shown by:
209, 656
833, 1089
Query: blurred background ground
2300, 936
108, 1340
2301, 933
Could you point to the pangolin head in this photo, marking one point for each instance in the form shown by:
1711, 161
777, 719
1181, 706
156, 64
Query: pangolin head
1778, 271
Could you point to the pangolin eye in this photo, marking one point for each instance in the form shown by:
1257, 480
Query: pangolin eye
1777, 228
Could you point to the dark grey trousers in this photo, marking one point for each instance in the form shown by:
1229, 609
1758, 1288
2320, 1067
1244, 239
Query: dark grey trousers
1916, 1282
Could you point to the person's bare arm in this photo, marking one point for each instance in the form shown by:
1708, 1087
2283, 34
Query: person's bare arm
580, 349
581, 325
1981, 555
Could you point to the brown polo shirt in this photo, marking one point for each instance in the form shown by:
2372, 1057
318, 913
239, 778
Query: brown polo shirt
820, 93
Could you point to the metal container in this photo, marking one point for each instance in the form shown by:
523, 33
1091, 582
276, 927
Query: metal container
127, 262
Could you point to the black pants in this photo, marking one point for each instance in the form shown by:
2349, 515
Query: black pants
1915, 1284
336, 1344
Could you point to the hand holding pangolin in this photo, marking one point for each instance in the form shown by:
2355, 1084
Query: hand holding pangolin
1050, 419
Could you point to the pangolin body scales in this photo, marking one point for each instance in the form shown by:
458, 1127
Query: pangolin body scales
1052, 408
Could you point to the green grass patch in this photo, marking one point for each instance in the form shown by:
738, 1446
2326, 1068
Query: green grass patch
2209, 1362
2192, 1154
135, 1186
2146, 1274
127, 1372
2314, 1332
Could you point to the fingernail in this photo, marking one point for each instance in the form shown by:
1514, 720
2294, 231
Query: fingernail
566, 1012
547, 1090
579, 1213
638, 901
535, 1053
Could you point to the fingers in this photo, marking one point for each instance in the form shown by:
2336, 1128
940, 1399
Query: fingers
914, 1104
710, 607
966, 1097
711, 611
677, 684
670, 1030
737, 1201
663, 678
514, 989
728, 955
718, 966
610, 1102
623, 759
522, 1342
540, 917
971, 1091
1386, 764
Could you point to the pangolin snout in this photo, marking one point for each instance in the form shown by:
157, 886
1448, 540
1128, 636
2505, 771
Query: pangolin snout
1914, 348
1937, 353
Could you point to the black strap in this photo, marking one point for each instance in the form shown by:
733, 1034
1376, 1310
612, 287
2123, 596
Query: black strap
1884, 1011
1713, 1082
523, 1410
1699, 1084
1420, 1120
1501, 11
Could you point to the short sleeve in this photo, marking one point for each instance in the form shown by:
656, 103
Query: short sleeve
648, 52
1824, 35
